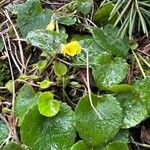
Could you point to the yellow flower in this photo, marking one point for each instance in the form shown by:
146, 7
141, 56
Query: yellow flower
73, 48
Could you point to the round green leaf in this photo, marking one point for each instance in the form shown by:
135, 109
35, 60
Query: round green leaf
84, 6
92, 129
109, 73
80, 145
56, 132
45, 84
134, 109
3, 131
60, 69
47, 105
117, 145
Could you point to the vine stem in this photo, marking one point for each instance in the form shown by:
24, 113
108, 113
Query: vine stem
88, 84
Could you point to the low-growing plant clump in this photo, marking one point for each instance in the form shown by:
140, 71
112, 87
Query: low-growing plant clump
74, 75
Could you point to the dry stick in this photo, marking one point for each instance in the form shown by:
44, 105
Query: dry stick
88, 84
134, 142
139, 64
27, 62
142, 145
19, 42
13, 88
15, 52
11, 70
10, 50
2, 88
144, 60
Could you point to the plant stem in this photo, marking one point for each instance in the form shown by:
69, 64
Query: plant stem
88, 84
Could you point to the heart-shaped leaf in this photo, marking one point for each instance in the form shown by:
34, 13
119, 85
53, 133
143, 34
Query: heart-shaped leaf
56, 132
92, 129
47, 105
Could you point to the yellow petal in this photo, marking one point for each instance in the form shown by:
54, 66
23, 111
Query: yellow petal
73, 48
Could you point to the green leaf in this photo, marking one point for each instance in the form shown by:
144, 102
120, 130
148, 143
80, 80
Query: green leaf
80, 145
133, 108
6, 110
133, 45
47, 105
31, 16
9, 86
101, 17
56, 132
1, 44
60, 69
122, 88
107, 74
93, 49
109, 40
84, 6
92, 129
46, 40
45, 84
12, 146
122, 135
143, 88
117, 145
41, 65
25, 99
67, 20
3, 131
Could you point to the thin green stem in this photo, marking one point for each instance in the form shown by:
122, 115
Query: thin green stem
88, 84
